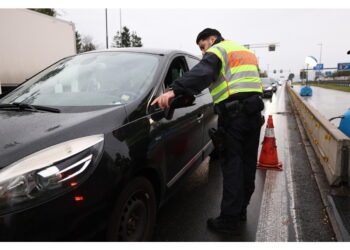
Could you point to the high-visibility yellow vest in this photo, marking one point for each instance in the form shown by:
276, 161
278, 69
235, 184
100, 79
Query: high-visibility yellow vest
239, 71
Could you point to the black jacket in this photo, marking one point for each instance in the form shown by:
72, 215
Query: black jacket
201, 76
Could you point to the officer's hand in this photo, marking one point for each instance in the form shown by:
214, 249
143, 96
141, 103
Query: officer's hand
164, 99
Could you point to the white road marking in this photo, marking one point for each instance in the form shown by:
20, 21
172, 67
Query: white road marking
276, 213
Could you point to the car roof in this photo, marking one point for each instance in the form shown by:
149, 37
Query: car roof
266, 79
166, 52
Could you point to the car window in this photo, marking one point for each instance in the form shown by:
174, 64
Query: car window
192, 62
94, 79
177, 69
265, 82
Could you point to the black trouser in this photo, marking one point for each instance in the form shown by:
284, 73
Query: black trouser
238, 160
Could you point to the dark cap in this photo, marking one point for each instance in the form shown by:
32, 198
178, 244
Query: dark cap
204, 34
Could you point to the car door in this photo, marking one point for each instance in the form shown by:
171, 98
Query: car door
182, 134
209, 117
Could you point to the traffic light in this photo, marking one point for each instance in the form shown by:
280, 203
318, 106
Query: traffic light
281, 71
272, 47
274, 71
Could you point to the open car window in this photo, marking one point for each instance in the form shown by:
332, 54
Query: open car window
177, 69
192, 62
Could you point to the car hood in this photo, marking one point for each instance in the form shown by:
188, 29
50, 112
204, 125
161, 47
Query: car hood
23, 132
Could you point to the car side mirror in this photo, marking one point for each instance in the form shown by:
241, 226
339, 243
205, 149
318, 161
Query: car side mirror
180, 101
156, 113
169, 113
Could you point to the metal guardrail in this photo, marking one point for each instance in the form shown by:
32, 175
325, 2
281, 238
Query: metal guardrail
330, 144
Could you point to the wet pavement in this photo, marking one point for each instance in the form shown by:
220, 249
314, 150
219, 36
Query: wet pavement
333, 103
286, 205
330, 103
183, 218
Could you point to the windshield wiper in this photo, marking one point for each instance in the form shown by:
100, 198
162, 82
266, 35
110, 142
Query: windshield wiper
26, 106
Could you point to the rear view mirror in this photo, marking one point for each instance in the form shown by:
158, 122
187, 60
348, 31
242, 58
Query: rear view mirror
156, 113
180, 101
153, 108
169, 113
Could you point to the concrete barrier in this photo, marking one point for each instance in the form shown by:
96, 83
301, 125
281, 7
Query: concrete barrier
330, 144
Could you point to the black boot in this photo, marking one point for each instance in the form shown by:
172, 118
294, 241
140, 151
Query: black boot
224, 224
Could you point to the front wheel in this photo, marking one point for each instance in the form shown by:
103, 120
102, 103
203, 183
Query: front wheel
134, 215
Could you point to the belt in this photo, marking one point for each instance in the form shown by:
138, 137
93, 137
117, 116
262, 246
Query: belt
232, 105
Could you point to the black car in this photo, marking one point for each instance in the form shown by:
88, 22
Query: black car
274, 84
83, 154
267, 88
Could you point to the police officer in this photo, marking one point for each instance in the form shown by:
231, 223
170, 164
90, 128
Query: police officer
231, 73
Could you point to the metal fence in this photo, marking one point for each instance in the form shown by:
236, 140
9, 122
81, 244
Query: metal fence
330, 144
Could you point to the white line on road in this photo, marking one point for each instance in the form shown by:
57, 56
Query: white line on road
276, 213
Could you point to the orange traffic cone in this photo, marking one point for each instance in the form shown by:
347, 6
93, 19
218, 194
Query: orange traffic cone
268, 156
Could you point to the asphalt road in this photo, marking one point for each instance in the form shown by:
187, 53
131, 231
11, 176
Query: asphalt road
286, 205
184, 216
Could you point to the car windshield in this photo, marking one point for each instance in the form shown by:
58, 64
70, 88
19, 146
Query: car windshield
266, 82
95, 79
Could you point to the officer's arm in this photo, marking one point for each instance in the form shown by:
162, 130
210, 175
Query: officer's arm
199, 77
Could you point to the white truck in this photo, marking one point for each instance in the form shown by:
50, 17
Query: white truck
29, 42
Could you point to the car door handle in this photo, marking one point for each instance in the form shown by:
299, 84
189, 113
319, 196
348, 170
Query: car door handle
200, 117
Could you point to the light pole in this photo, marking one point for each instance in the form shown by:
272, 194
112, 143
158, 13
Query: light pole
320, 44
120, 21
106, 30
268, 69
312, 62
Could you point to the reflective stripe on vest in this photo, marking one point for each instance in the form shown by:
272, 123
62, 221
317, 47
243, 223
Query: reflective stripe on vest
239, 72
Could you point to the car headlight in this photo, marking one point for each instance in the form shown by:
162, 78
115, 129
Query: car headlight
48, 173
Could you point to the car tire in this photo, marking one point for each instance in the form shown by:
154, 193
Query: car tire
134, 214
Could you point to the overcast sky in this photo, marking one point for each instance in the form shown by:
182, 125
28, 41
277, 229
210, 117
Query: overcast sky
298, 31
